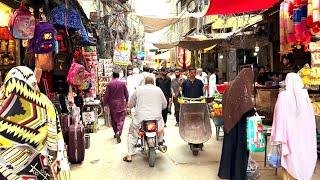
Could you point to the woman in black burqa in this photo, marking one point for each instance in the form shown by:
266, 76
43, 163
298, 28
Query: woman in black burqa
237, 106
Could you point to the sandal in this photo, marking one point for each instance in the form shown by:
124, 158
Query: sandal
126, 159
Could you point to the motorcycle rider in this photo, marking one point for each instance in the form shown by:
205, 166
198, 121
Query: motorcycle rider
149, 101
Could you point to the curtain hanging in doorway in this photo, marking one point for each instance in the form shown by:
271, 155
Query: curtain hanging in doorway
238, 6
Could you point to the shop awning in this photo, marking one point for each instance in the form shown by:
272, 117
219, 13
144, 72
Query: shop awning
238, 6
163, 56
165, 45
195, 42
155, 24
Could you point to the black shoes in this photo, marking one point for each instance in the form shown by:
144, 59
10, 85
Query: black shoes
117, 136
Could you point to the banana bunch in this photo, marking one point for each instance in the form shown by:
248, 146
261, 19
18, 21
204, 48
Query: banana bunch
316, 108
182, 101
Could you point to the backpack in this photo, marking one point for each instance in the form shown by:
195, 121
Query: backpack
61, 39
44, 62
66, 17
61, 64
44, 38
22, 23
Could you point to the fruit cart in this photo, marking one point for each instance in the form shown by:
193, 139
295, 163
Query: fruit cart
216, 116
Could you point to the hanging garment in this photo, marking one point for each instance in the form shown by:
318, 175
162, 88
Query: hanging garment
32, 144
294, 125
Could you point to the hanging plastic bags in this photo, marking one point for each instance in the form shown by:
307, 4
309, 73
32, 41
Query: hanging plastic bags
274, 156
253, 172
255, 134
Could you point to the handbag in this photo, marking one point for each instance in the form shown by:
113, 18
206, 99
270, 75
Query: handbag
274, 156
255, 134
44, 62
77, 75
253, 172
29, 59
67, 17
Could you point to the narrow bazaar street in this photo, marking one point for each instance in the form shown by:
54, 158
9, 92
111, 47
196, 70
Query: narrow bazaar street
103, 160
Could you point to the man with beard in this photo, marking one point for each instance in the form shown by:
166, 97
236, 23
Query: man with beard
176, 89
164, 83
116, 97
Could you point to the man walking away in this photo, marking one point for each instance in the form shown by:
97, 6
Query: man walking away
149, 102
134, 80
176, 89
116, 97
164, 83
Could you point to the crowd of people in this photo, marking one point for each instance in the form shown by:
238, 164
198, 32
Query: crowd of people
265, 74
148, 95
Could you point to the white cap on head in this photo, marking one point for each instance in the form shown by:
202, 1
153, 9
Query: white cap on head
135, 71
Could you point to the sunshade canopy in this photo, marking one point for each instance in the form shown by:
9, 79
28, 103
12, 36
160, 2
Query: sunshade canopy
238, 6
155, 24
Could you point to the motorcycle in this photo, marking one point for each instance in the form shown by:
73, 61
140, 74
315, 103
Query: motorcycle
149, 140
194, 124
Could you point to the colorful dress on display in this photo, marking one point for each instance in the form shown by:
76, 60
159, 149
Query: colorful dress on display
31, 141
293, 25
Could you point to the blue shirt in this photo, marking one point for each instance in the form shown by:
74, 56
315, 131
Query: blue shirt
192, 89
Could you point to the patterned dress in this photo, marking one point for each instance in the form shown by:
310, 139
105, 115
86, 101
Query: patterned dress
32, 146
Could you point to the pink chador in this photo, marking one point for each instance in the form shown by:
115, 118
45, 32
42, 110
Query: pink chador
295, 129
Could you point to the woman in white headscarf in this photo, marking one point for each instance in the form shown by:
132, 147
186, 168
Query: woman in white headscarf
295, 129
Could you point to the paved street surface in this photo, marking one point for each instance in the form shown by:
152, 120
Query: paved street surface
103, 161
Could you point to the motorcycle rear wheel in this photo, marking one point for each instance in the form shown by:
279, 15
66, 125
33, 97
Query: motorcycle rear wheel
152, 157
195, 152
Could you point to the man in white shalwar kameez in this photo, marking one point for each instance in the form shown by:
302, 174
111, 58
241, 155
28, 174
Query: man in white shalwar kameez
149, 101
134, 81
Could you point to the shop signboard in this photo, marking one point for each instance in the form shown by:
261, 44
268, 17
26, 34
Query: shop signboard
122, 53
184, 58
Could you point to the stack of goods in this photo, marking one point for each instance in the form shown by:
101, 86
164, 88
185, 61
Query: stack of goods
316, 108
108, 67
305, 73
103, 81
216, 110
218, 97
104, 74
7, 47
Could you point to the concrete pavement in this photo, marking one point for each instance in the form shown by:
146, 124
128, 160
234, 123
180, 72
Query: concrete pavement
103, 161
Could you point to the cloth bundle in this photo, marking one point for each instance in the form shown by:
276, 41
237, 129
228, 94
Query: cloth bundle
91, 62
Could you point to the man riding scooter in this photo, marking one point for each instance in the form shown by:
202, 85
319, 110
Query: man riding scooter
149, 101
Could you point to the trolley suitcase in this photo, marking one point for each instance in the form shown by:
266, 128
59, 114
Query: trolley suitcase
76, 145
65, 124
66, 120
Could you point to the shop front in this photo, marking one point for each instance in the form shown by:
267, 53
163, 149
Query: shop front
9, 47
